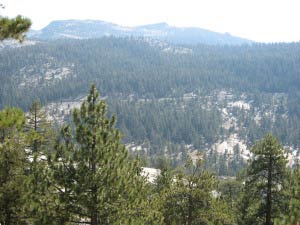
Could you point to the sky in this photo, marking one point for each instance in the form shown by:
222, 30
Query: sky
258, 20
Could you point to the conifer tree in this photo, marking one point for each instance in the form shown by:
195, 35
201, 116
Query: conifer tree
40, 132
12, 166
265, 183
14, 28
188, 198
292, 214
40, 142
95, 180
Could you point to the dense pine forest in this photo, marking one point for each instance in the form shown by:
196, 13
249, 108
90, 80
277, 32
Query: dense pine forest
84, 174
145, 69
167, 97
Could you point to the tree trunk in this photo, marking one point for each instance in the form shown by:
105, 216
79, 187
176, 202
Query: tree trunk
35, 129
269, 193
190, 220
94, 216
7, 219
190, 208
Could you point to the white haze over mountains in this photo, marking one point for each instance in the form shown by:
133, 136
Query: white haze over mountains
262, 21
86, 29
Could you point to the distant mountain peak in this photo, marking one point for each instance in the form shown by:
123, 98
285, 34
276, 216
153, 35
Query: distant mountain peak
161, 25
85, 29
76, 22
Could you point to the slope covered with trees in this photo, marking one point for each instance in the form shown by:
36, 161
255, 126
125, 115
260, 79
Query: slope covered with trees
151, 84
88, 177
129, 66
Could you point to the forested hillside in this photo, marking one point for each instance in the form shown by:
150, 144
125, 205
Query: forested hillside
147, 69
82, 173
169, 99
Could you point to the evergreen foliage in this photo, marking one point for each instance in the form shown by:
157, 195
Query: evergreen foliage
12, 166
40, 137
188, 198
40, 132
145, 87
292, 214
14, 28
265, 184
87, 176
93, 171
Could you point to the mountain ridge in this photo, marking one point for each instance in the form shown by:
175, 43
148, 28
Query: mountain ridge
90, 29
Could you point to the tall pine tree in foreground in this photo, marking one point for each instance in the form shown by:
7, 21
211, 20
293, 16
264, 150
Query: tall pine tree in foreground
95, 179
12, 166
265, 184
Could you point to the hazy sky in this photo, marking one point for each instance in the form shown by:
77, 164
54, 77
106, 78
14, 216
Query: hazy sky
259, 20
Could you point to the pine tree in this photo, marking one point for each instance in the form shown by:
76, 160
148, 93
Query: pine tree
188, 199
40, 132
12, 166
40, 142
95, 180
265, 183
292, 214
230, 190
14, 28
